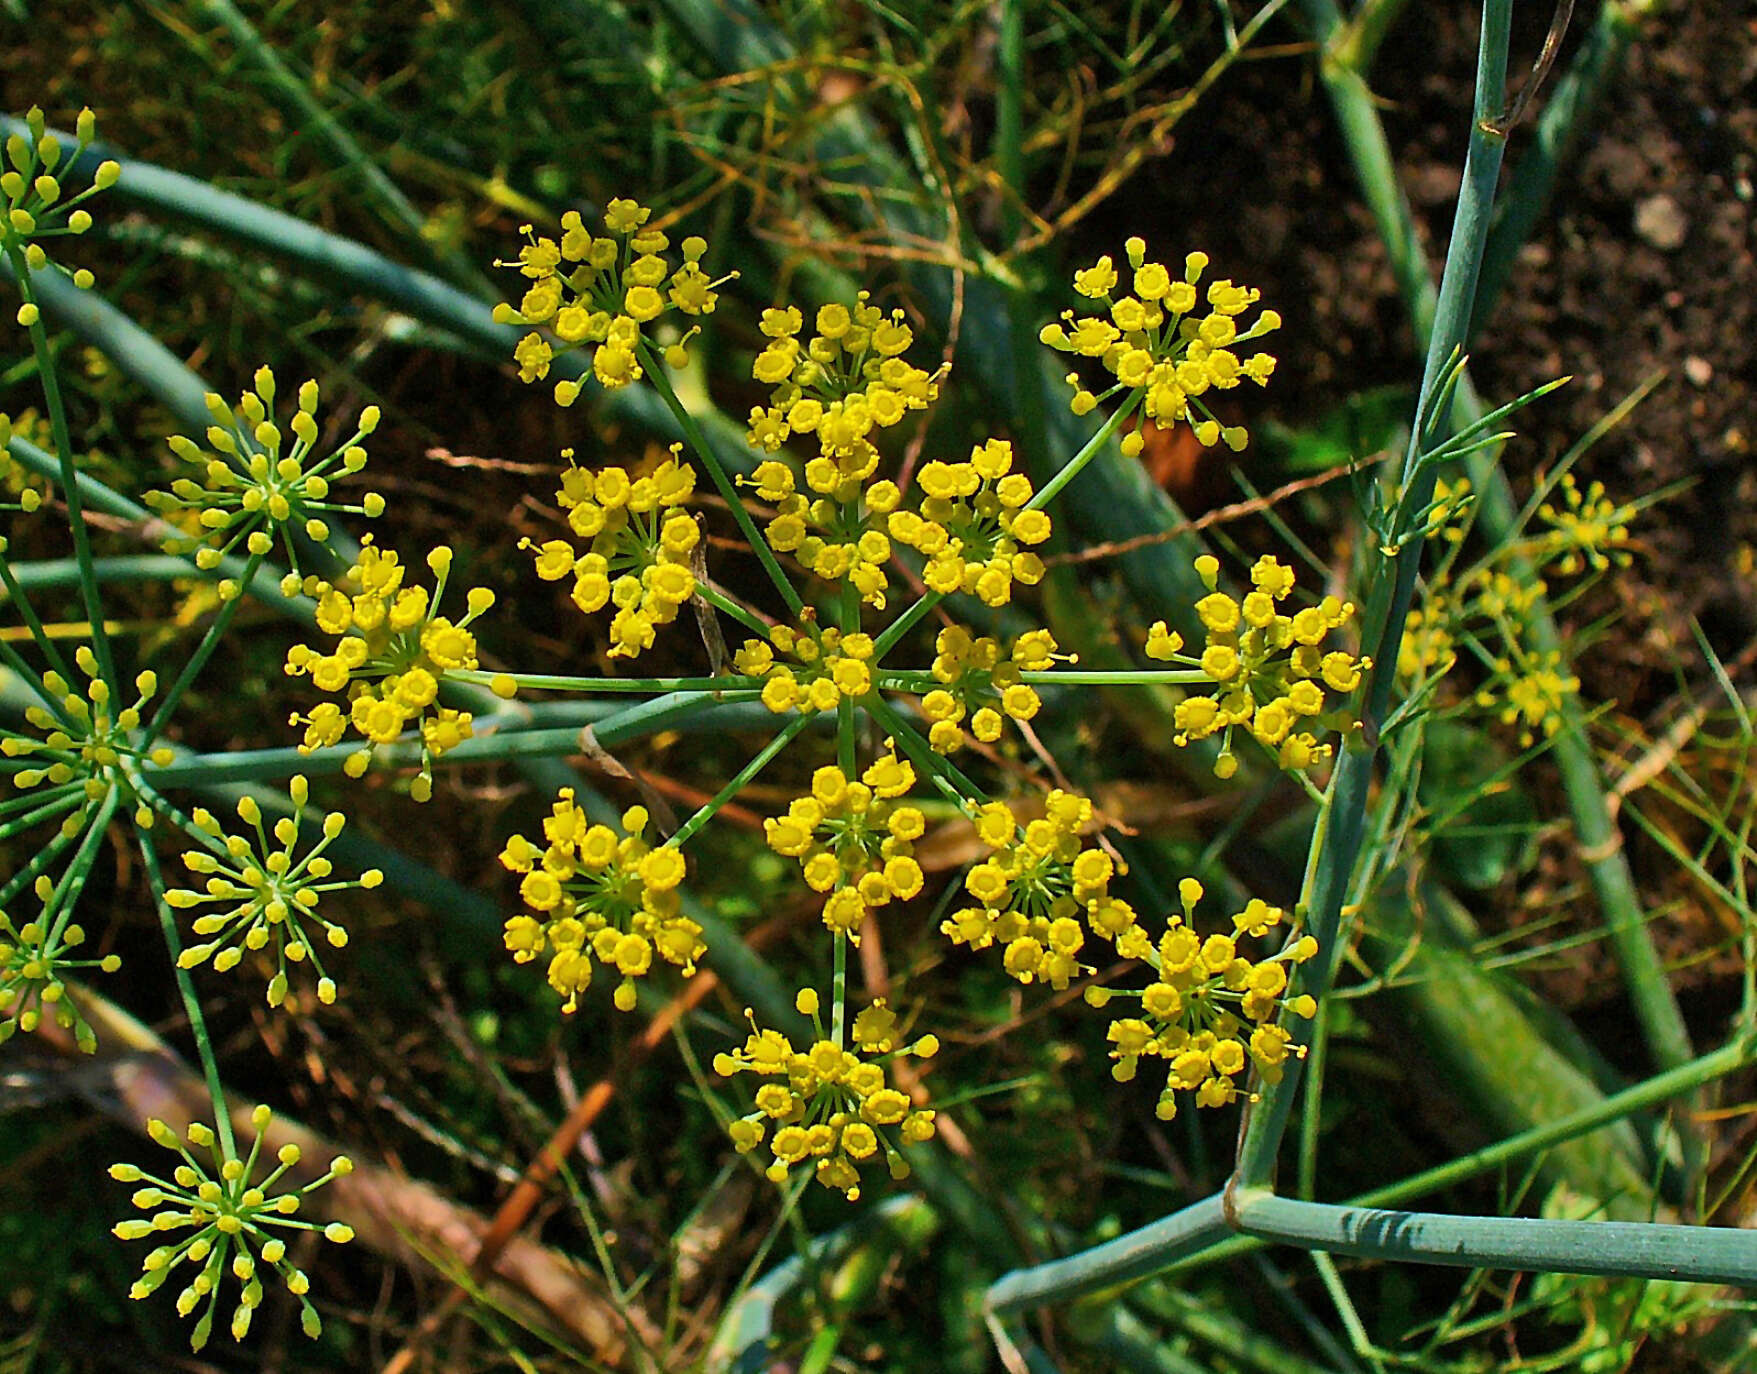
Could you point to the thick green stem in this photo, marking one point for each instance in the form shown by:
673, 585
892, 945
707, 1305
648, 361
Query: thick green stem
1392, 592
1134, 1256
1636, 1249
1166, 1245
1498, 517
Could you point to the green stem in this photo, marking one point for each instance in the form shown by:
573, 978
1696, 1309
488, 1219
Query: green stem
1392, 592
662, 713
210, 1065
1122, 677
27, 674
51, 573
1146, 1251
66, 894
1088, 451
704, 452
740, 780
1166, 1245
1635, 1249
1498, 516
41, 636
560, 682
69, 474
838, 988
39, 862
26, 811
727, 606
939, 769
904, 623
203, 651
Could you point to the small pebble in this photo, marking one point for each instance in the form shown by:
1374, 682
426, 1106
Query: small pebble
1660, 222
1699, 370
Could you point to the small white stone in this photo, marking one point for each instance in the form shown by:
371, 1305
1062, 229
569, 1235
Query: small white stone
1660, 222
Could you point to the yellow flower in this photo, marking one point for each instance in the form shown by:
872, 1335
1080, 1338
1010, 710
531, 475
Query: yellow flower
845, 381
233, 1214
852, 842
636, 524
590, 291
827, 667
1157, 350
393, 652
599, 897
264, 894
1587, 530
1209, 1012
1267, 666
973, 527
1040, 892
832, 1108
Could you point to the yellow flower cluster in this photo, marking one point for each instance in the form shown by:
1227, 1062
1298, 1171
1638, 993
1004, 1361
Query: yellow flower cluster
393, 650
1210, 1012
1587, 529
87, 746
598, 896
829, 1106
1429, 647
1530, 691
248, 482
1039, 892
827, 666
603, 291
846, 382
31, 203
974, 526
852, 844
837, 533
266, 893
1155, 345
238, 1221
977, 683
641, 541
34, 966
1269, 669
